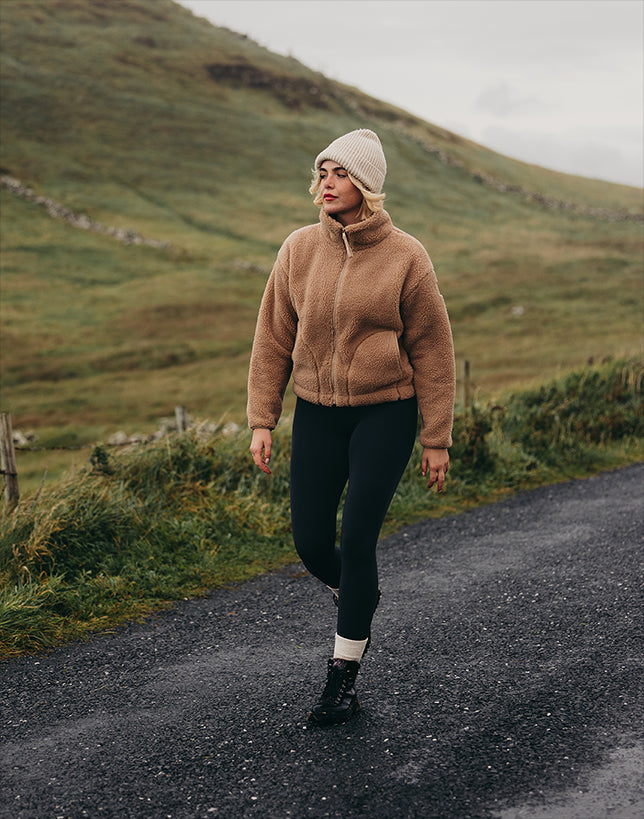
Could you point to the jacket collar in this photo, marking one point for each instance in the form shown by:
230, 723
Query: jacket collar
363, 234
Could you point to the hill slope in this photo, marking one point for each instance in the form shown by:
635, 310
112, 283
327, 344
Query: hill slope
143, 117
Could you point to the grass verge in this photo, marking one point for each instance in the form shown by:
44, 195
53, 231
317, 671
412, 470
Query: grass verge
129, 534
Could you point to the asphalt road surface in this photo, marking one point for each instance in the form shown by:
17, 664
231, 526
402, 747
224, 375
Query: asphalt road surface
504, 680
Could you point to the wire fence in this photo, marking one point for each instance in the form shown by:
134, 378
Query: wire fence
9, 447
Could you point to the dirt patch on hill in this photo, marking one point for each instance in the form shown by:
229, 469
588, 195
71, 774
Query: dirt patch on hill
292, 92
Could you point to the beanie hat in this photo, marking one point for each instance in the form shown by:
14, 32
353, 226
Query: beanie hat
360, 153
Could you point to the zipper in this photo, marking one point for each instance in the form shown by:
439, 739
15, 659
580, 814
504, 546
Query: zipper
346, 244
335, 311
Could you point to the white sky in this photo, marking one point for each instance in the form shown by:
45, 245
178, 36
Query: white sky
559, 83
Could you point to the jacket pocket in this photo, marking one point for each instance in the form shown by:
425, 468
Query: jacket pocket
305, 369
375, 364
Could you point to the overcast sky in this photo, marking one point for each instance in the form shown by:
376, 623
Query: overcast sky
558, 83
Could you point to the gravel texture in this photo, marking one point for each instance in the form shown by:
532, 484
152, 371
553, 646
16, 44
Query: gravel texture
504, 680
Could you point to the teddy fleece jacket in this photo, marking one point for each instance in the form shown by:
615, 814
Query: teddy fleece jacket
356, 316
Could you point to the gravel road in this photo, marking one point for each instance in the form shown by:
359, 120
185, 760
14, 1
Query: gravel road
504, 680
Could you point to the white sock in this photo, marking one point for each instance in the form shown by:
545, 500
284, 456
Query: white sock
348, 649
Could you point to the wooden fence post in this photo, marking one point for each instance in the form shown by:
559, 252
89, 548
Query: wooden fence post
182, 419
9, 469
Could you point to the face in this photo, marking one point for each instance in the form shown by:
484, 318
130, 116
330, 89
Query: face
340, 197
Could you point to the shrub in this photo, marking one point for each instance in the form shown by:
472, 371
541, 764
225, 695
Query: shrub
594, 406
470, 450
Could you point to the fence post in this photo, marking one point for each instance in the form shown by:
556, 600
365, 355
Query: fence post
182, 419
9, 469
467, 385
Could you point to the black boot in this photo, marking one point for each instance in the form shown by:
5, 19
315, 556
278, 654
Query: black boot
336, 600
339, 701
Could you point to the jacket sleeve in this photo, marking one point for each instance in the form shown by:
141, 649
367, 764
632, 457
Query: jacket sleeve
427, 339
271, 362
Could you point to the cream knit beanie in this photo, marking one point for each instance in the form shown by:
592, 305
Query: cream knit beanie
360, 153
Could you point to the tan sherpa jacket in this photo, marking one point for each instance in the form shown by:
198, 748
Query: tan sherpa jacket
355, 314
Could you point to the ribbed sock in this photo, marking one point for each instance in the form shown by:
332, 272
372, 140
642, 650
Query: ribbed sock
348, 649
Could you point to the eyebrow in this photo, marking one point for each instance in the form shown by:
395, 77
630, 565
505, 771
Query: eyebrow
335, 168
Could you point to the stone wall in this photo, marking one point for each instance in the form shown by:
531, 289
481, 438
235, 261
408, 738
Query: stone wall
77, 220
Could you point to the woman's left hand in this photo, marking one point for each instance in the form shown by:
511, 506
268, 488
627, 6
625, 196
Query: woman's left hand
434, 466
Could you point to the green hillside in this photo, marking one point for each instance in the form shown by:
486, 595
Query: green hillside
142, 117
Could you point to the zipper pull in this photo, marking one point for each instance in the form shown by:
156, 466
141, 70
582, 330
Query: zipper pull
347, 245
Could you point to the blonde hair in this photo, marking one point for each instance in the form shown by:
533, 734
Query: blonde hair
371, 202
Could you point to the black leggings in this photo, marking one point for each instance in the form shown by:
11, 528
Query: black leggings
369, 447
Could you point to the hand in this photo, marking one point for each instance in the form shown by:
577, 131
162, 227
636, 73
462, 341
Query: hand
260, 448
435, 464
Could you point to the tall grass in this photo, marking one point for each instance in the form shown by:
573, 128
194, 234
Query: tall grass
130, 533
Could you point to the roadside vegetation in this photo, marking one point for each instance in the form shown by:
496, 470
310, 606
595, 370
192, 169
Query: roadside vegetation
130, 533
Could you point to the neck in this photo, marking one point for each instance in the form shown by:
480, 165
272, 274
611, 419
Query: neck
346, 219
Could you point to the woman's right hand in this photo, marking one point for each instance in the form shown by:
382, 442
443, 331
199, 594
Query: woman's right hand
260, 448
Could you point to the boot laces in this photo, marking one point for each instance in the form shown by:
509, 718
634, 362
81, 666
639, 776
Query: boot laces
339, 680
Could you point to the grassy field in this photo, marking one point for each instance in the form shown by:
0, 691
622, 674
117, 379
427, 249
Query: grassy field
147, 118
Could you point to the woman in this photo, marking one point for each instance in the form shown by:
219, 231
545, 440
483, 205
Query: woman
353, 312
